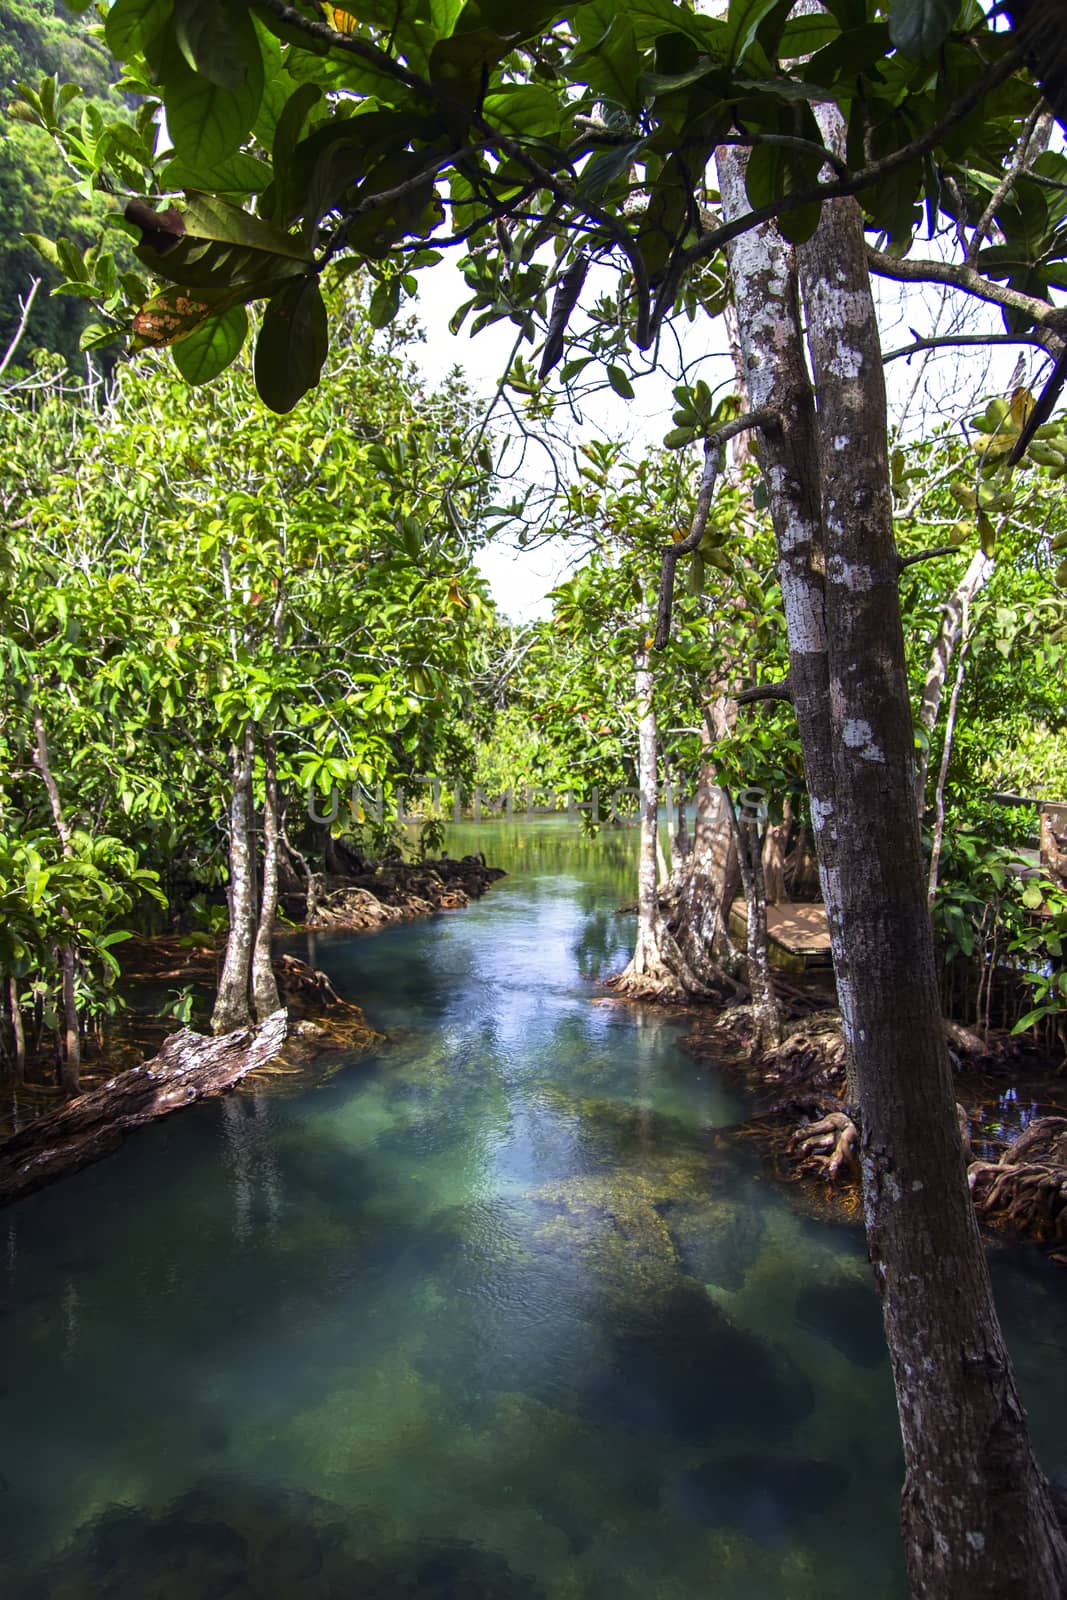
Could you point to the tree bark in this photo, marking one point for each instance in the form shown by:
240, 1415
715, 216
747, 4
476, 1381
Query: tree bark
189, 1067
232, 1009
704, 885
941, 654
646, 970
70, 1059
264, 988
763, 274
767, 1026
775, 841
977, 1514
942, 776
18, 1036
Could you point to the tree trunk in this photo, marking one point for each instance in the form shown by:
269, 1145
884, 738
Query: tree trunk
70, 1061
775, 841
70, 1056
942, 776
944, 648
18, 1036
647, 973
704, 886
766, 1021
264, 989
977, 1513
232, 1008
764, 279
189, 1067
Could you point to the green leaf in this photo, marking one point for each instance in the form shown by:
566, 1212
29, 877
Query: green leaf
206, 120
743, 17
384, 303
45, 248
1034, 1016
987, 535
95, 336
240, 174
773, 173
217, 40
210, 348
620, 383
206, 217
678, 438
131, 25
802, 36
292, 344
918, 28
528, 111
599, 173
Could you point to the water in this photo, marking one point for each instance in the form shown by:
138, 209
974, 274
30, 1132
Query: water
497, 1315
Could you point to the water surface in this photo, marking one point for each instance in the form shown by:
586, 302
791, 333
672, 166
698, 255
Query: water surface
496, 1315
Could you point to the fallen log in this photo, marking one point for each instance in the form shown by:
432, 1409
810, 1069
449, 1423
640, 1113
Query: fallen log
190, 1067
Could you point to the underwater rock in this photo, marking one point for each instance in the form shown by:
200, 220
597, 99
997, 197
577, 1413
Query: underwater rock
681, 1368
717, 1241
847, 1315
272, 1545
763, 1496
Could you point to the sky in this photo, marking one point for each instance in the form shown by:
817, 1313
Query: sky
952, 383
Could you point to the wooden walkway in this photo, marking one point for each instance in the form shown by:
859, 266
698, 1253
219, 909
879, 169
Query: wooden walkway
797, 933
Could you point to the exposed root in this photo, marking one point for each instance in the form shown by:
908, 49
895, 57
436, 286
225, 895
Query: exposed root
1026, 1189
828, 1146
813, 1053
397, 891
303, 987
662, 973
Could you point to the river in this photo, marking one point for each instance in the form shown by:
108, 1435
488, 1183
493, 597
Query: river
497, 1314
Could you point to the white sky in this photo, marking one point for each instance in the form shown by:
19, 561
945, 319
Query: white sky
952, 383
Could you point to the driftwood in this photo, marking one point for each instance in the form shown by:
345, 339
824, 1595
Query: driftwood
189, 1067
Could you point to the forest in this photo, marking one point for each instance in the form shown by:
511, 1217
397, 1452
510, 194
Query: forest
622, 1045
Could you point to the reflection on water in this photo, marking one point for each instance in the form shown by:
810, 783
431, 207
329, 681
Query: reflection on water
497, 1314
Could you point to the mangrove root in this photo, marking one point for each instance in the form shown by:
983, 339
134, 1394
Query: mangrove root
1027, 1188
189, 1067
829, 1146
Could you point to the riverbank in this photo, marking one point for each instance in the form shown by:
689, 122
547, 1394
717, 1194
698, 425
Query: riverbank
1012, 1105
42, 1133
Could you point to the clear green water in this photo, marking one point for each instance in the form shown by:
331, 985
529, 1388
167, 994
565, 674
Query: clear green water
494, 1315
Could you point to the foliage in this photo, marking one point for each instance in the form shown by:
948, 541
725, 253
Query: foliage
39, 194
544, 140
177, 570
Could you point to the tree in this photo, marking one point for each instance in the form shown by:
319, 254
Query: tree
39, 194
199, 622
518, 133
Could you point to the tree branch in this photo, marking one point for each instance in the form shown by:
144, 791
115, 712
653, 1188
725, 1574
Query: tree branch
927, 555
353, 46
25, 307
765, 691
788, 141
672, 553
841, 187
1018, 162
957, 275
1041, 341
